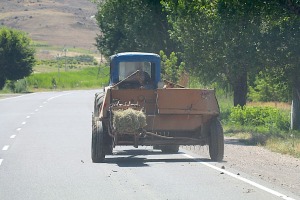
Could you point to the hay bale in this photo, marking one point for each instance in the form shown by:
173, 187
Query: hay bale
128, 121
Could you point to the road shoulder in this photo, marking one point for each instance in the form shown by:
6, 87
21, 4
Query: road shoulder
278, 169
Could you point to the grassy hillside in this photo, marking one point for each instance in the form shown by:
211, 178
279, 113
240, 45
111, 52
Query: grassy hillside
68, 24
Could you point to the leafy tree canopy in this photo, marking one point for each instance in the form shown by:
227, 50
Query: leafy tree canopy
133, 25
16, 55
270, 85
229, 41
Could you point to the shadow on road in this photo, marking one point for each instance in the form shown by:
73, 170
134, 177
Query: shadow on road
234, 141
243, 142
132, 158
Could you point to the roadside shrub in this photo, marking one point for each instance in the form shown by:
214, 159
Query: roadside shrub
267, 118
10, 86
85, 58
270, 86
19, 86
70, 62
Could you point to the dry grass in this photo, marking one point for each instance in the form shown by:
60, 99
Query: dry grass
290, 146
279, 105
129, 120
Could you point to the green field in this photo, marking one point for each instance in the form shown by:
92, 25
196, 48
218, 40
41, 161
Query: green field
89, 77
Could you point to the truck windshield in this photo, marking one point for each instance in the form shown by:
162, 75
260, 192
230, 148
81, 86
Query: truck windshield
127, 68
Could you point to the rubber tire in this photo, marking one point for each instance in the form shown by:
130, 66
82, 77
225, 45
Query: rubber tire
97, 147
170, 148
99, 97
216, 143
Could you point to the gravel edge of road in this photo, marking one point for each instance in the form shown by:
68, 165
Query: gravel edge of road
275, 168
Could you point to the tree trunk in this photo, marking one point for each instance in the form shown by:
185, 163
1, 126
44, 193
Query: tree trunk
240, 90
2, 82
295, 110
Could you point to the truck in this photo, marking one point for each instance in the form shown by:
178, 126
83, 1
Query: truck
170, 116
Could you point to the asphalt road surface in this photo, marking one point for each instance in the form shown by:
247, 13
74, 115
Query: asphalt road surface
45, 154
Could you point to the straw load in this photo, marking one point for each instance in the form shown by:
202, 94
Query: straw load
129, 120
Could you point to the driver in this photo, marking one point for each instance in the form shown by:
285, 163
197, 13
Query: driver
141, 75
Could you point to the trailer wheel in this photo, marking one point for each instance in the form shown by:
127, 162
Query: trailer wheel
98, 103
170, 148
97, 150
216, 144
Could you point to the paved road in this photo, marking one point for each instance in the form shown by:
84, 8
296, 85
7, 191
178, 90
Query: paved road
45, 154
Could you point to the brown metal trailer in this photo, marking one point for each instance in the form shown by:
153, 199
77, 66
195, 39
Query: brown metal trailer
174, 116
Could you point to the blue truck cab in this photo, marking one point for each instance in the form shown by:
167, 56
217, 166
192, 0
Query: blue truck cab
122, 65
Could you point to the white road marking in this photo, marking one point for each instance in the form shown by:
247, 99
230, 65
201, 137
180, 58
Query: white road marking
13, 136
41, 106
58, 96
23, 123
5, 148
17, 97
18, 129
1, 160
36, 110
244, 180
27, 117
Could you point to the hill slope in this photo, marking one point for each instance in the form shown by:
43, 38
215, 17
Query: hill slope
63, 23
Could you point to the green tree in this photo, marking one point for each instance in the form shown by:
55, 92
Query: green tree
16, 55
220, 39
229, 41
282, 33
270, 85
172, 69
133, 25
